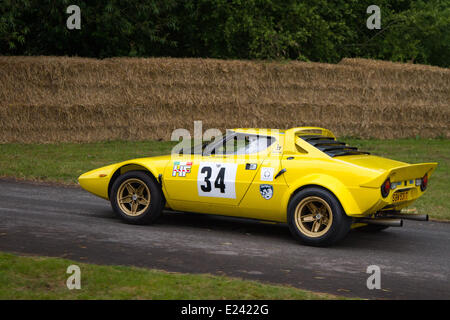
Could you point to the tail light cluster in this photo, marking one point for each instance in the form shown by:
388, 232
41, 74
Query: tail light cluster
424, 183
385, 187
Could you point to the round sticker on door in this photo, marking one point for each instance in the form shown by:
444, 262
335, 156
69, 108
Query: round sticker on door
267, 174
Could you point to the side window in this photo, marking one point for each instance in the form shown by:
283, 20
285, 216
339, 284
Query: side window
256, 144
241, 144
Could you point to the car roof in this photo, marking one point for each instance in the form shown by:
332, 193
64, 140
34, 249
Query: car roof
269, 131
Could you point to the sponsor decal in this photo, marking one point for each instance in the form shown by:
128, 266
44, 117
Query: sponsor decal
277, 149
251, 166
181, 168
267, 173
266, 191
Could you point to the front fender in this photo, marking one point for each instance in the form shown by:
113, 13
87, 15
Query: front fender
137, 163
97, 181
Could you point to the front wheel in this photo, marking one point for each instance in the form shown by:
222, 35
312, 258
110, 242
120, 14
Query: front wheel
315, 217
137, 198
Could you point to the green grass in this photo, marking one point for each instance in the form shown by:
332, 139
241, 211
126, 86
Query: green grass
65, 162
45, 278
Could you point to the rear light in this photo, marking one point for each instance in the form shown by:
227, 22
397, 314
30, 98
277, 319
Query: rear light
385, 187
424, 184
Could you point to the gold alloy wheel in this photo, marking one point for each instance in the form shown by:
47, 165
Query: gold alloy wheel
313, 216
133, 197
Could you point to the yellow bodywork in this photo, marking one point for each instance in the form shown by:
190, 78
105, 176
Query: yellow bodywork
355, 180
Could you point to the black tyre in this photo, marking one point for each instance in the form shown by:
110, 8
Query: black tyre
372, 228
137, 198
315, 217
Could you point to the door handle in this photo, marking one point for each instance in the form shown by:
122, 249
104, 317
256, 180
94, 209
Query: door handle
280, 173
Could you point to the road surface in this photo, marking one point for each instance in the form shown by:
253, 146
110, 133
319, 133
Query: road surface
61, 221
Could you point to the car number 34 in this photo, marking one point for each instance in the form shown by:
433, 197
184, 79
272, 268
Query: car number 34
217, 180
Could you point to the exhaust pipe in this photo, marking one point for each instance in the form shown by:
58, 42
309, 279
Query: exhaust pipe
416, 217
383, 222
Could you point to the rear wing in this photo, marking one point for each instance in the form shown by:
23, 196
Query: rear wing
292, 134
403, 173
306, 131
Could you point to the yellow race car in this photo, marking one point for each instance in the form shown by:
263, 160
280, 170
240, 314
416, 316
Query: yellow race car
305, 177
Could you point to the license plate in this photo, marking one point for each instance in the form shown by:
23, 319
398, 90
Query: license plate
400, 196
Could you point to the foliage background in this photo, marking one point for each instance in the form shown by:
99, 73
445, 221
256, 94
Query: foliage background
307, 30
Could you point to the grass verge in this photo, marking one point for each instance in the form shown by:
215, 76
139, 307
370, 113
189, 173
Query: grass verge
45, 278
64, 162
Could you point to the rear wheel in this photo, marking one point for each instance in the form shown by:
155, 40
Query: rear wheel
137, 198
315, 217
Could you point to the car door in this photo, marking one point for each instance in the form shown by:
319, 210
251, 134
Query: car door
265, 195
221, 175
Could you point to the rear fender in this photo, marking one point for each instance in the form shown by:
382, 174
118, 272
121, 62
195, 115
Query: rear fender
339, 190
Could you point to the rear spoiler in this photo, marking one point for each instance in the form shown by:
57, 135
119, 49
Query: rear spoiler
292, 134
403, 173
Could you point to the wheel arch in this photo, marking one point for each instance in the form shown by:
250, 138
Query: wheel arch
313, 186
124, 168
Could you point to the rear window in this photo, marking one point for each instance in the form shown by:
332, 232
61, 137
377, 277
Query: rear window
331, 146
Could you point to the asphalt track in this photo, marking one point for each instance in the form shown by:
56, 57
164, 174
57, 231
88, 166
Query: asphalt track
68, 222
